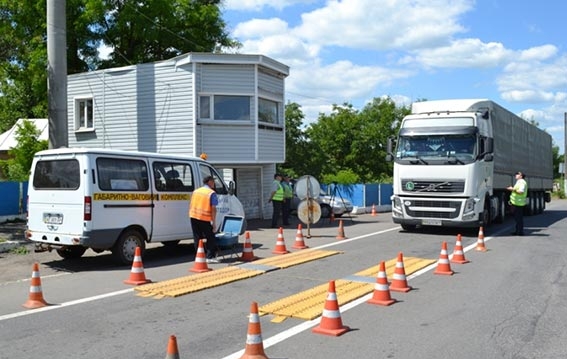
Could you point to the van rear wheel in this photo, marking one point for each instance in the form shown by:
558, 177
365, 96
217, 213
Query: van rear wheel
71, 252
125, 247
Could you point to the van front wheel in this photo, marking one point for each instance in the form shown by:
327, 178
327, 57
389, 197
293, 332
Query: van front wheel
125, 247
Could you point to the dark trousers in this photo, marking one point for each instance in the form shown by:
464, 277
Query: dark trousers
277, 212
519, 218
204, 229
286, 209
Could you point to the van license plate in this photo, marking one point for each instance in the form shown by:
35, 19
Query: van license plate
431, 222
52, 218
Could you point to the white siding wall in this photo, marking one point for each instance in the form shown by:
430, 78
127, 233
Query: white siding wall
272, 145
248, 181
227, 79
225, 143
147, 107
268, 172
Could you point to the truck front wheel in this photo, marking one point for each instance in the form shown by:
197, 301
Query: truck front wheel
125, 247
485, 215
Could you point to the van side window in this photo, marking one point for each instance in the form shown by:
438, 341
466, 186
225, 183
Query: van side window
173, 177
57, 174
120, 174
220, 187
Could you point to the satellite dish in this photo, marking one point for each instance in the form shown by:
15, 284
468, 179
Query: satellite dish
309, 211
307, 187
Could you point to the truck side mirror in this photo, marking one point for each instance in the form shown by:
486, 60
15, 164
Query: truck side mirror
231, 188
489, 145
389, 147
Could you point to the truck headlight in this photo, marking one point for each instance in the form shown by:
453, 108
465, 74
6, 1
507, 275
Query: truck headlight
397, 202
469, 205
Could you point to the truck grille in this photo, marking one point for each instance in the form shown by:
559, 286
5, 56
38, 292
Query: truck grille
428, 212
409, 185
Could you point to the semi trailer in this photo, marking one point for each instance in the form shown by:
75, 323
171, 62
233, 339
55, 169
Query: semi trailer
454, 159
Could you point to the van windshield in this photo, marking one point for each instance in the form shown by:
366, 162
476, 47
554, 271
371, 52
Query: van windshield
57, 174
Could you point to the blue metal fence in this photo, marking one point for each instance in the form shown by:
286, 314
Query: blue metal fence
13, 196
363, 195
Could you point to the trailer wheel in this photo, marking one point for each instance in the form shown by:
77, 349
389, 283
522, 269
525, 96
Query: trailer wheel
540, 203
501, 209
73, 252
125, 247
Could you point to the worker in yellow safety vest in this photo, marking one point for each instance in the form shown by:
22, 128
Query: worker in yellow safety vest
288, 196
518, 197
277, 198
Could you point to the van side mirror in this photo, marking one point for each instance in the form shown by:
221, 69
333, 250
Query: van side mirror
231, 188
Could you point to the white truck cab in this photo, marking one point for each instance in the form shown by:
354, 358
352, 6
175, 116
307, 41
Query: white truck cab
80, 198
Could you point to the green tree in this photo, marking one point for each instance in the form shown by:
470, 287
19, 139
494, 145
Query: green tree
351, 143
139, 31
298, 160
153, 30
17, 167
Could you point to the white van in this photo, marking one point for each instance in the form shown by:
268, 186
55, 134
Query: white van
80, 198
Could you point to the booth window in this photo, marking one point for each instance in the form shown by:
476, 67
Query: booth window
84, 118
224, 108
268, 111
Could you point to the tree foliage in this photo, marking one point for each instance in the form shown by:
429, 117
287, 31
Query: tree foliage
153, 30
346, 146
138, 31
17, 167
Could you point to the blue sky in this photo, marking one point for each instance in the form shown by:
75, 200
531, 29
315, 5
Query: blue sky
513, 52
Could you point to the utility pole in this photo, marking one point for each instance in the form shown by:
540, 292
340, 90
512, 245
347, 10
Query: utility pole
564, 151
57, 73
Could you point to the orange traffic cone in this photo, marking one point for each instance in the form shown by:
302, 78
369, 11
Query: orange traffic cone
399, 281
480, 242
247, 253
35, 298
299, 242
137, 275
200, 264
341, 234
172, 351
458, 253
331, 322
373, 213
443, 265
254, 344
381, 294
332, 216
280, 244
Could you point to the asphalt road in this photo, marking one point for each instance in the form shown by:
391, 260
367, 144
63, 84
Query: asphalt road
508, 302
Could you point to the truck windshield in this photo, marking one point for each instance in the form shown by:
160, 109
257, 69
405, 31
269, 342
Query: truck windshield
462, 147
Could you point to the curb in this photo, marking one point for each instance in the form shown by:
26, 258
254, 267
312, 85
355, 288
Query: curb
9, 245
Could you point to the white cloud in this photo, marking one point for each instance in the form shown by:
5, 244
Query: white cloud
387, 24
538, 53
534, 81
463, 53
258, 5
261, 28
